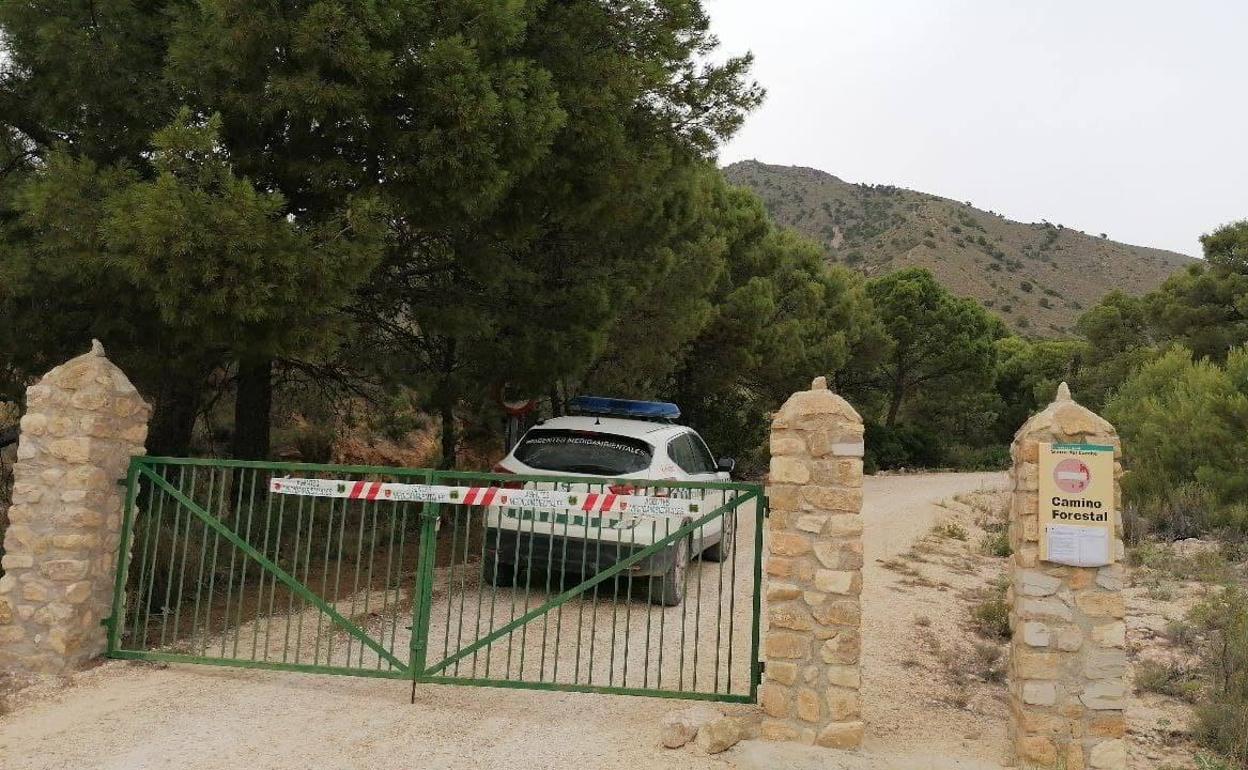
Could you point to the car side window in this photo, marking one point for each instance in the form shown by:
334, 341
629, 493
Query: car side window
705, 457
688, 452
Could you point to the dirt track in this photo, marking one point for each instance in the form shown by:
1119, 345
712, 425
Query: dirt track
122, 715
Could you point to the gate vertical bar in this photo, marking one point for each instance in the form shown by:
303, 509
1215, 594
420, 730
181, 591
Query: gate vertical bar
116, 622
756, 672
426, 553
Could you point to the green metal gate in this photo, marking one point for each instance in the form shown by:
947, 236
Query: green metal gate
443, 577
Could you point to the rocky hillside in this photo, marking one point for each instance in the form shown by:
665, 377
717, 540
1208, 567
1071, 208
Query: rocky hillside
1037, 277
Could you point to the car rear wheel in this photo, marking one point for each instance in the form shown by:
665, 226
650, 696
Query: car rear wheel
722, 551
672, 583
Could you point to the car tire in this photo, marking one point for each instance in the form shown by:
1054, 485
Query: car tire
672, 583
722, 551
497, 573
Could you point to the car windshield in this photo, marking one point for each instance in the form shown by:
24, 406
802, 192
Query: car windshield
582, 451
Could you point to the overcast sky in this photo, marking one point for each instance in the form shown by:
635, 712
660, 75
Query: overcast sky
1128, 117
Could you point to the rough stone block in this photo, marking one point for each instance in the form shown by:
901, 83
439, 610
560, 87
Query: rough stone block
1037, 749
782, 671
787, 645
1036, 634
65, 569
1105, 664
789, 544
838, 612
784, 497
1112, 577
774, 698
1070, 639
1043, 609
843, 648
790, 569
839, 555
1110, 634
1040, 693
1104, 695
1108, 755
1101, 604
833, 498
781, 592
844, 676
775, 730
787, 443
1109, 725
841, 735
1030, 582
1028, 664
719, 735
789, 470
847, 525
812, 523
77, 593
790, 617
808, 706
843, 704
679, 727
15, 561
837, 582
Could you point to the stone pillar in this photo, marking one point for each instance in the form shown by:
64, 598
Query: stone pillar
1068, 657
84, 421
814, 573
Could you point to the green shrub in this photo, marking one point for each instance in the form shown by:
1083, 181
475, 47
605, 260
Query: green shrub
990, 617
996, 544
1173, 680
902, 446
1182, 418
982, 458
1222, 716
1205, 567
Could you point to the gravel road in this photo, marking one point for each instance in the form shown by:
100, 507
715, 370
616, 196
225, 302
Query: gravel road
133, 715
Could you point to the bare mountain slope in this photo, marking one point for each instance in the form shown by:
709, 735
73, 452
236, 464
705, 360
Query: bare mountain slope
1038, 277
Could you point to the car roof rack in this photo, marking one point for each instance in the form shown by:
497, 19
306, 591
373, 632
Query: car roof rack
598, 406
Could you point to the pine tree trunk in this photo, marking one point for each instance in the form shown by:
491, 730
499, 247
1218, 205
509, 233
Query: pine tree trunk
447, 410
253, 410
894, 402
172, 426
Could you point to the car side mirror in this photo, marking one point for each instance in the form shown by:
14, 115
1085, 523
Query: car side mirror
726, 465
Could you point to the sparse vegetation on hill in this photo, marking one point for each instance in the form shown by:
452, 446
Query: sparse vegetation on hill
1037, 276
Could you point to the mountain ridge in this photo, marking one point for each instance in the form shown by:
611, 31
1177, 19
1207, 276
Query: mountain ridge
1037, 276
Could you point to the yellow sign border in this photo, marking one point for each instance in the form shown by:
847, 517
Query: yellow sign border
1100, 461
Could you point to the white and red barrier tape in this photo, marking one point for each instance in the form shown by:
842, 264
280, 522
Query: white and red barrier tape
588, 502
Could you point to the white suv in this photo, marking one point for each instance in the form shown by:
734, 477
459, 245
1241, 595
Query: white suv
638, 445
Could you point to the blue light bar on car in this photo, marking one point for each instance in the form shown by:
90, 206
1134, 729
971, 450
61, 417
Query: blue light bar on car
620, 407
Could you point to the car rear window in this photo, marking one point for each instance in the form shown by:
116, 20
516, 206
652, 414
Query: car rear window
582, 451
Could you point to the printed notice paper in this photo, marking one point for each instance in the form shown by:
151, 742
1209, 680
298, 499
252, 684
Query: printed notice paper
1078, 546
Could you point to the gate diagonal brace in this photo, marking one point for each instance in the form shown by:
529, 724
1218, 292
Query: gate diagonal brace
590, 583
299, 588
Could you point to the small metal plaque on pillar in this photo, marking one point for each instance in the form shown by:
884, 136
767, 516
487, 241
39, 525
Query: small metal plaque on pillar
1077, 504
